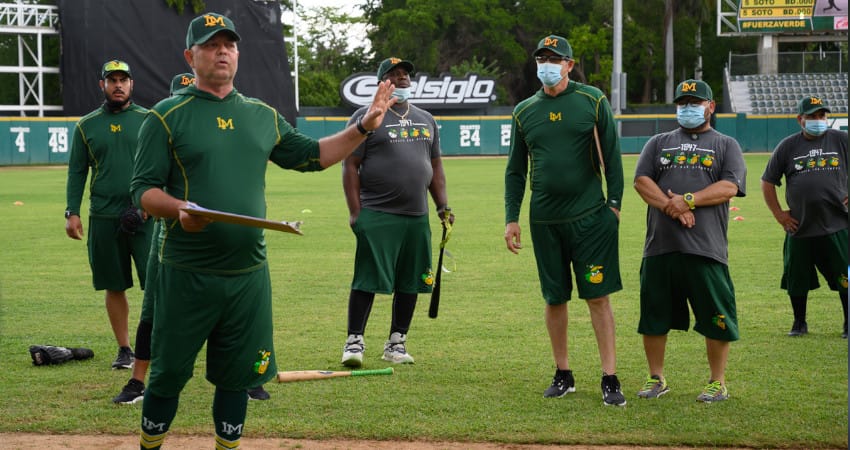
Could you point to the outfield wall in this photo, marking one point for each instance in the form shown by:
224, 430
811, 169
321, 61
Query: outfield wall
46, 140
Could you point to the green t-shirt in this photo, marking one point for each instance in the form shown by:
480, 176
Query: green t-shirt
552, 137
214, 152
105, 142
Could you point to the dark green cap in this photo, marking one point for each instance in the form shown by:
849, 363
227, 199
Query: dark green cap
390, 64
555, 43
115, 66
811, 105
694, 88
202, 28
180, 81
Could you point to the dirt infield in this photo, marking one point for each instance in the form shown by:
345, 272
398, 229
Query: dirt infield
27, 441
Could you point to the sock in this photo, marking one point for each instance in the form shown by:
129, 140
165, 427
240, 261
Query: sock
798, 304
157, 414
403, 308
229, 410
359, 308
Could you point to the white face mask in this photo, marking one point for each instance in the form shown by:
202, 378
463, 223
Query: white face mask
815, 127
549, 74
402, 94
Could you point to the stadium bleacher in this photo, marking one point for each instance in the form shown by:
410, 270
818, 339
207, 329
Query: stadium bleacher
779, 93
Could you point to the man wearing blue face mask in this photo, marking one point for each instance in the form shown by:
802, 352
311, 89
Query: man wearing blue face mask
687, 178
386, 181
814, 164
564, 135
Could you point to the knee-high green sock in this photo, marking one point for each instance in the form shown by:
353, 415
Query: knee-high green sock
229, 410
157, 414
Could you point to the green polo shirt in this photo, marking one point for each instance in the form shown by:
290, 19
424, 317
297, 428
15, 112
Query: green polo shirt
552, 143
214, 152
104, 142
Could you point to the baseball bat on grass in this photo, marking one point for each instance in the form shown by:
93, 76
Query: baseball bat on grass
306, 375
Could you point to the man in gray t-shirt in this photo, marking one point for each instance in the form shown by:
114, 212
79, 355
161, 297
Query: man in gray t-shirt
687, 177
386, 182
814, 164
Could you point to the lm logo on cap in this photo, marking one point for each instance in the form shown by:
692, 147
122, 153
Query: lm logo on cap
815, 101
549, 41
211, 21
688, 87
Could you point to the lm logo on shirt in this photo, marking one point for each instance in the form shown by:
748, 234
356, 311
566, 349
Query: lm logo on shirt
554, 117
115, 128
224, 124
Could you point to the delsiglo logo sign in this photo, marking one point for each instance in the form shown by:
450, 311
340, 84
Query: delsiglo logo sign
426, 92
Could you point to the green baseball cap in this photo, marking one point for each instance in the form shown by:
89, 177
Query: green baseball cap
555, 43
390, 64
694, 88
180, 81
811, 105
202, 28
115, 66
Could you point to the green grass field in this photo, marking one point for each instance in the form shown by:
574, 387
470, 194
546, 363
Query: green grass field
481, 367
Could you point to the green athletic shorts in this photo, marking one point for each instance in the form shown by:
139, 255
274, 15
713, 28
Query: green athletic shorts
393, 253
590, 244
110, 251
669, 282
827, 254
232, 314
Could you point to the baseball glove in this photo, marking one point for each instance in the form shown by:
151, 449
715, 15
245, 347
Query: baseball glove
130, 220
43, 355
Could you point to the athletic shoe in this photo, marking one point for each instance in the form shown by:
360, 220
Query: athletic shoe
562, 383
611, 393
352, 352
844, 333
258, 393
125, 359
134, 391
395, 351
799, 328
714, 391
655, 387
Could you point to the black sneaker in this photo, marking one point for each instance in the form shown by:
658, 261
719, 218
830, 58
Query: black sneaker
258, 393
562, 383
133, 392
125, 359
799, 328
844, 333
611, 393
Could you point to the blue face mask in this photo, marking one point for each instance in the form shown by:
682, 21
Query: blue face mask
402, 94
815, 127
690, 116
549, 74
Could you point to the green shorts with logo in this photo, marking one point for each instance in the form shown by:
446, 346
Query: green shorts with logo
111, 250
669, 282
803, 256
393, 253
232, 314
590, 245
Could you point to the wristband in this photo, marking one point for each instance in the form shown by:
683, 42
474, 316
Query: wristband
443, 209
362, 129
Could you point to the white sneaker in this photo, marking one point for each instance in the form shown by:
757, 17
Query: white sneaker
352, 352
394, 350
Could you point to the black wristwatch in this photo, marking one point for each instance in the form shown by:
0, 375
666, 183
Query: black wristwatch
68, 213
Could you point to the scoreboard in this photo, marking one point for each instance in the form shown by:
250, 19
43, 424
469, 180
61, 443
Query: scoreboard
778, 16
